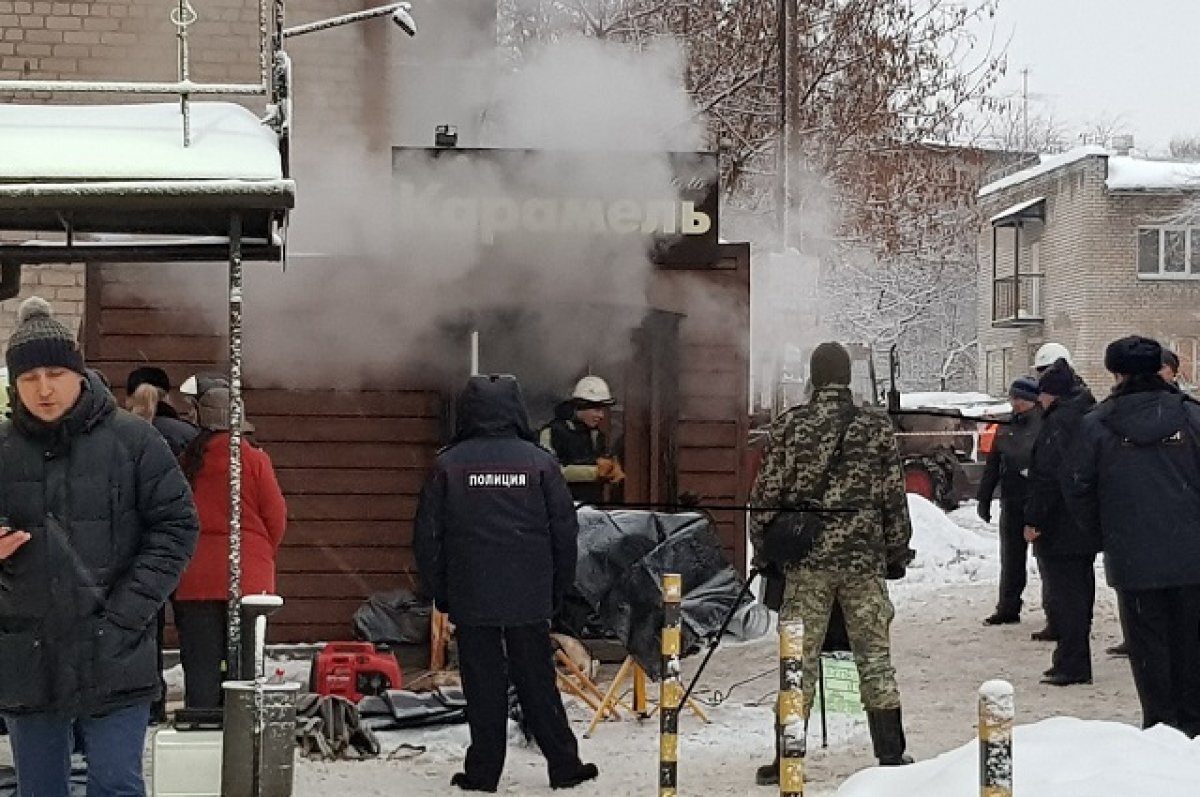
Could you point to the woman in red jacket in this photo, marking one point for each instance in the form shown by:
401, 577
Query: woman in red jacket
200, 601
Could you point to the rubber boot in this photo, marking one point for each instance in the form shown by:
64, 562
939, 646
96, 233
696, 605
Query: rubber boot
887, 736
768, 774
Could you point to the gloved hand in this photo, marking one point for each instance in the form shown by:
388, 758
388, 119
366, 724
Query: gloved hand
895, 571
984, 510
609, 470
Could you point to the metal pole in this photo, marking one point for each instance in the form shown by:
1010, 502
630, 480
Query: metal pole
131, 87
791, 713
235, 449
344, 19
474, 352
996, 712
781, 152
671, 687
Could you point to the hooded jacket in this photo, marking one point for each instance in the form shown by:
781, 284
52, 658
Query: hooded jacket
495, 534
1137, 477
112, 525
1063, 533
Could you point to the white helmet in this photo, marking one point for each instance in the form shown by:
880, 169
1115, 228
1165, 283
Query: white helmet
593, 390
1050, 353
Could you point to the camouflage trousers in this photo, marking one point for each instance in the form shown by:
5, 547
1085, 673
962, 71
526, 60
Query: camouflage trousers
809, 597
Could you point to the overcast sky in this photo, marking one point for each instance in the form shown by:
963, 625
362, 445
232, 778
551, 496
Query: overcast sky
1089, 59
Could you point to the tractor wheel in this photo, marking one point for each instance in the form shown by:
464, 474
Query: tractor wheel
919, 481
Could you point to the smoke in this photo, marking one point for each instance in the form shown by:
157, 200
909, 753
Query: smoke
392, 264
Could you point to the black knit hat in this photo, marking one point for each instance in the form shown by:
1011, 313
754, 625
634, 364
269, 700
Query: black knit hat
1024, 388
148, 375
1058, 379
1133, 355
39, 341
829, 365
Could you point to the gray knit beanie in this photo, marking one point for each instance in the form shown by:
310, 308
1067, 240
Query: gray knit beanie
40, 341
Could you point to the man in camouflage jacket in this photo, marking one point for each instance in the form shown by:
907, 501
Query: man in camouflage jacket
856, 550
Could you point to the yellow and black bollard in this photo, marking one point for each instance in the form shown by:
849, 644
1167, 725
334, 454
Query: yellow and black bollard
790, 716
671, 688
996, 712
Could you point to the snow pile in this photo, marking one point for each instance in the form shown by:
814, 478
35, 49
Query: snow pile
947, 552
1057, 757
136, 142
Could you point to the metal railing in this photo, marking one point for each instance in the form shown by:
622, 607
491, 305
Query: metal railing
1017, 298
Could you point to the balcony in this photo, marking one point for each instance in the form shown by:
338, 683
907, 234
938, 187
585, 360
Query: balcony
1017, 300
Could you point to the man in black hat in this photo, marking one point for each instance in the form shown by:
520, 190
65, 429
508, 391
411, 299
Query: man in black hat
1136, 477
1066, 548
98, 524
1008, 467
495, 541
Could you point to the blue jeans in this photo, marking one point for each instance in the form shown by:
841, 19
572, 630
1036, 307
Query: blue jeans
113, 745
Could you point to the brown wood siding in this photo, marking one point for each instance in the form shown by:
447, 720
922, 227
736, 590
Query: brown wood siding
351, 463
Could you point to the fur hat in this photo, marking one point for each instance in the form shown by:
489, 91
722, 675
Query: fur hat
148, 375
40, 341
829, 365
1058, 379
1024, 388
1133, 355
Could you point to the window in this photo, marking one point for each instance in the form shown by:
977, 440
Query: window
1168, 252
1188, 350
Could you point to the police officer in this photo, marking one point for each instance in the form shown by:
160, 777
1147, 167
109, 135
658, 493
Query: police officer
495, 542
853, 452
1008, 468
577, 441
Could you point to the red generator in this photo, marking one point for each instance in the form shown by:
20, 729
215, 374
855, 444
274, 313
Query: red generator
353, 670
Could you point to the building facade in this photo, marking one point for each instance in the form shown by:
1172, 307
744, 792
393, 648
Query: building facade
1084, 248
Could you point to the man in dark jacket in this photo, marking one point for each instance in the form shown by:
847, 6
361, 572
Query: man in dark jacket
1008, 468
1066, 547
1137, 475
98, 526
495, 542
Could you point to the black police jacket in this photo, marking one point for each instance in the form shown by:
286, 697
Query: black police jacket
112, 527
495, 534
1137, 476
1063, 533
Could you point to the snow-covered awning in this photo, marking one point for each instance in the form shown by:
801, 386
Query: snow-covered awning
97, 170
1029, 209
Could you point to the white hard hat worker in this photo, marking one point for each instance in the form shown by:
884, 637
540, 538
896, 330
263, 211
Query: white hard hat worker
1048, 354
592, 390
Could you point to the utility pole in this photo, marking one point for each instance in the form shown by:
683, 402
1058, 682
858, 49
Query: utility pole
1025, 109
783, 204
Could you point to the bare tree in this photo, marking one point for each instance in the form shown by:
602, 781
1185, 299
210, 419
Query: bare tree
1185, 148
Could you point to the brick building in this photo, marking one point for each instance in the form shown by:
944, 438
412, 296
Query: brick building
1083, 248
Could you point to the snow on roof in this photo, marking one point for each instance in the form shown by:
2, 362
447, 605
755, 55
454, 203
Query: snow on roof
135, 142
1046, 164
1137, 174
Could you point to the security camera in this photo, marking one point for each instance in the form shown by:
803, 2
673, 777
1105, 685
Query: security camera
403, 18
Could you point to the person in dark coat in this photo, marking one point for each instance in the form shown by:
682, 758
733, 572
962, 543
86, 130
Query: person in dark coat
146, 390
1008, 468
1137, 476
98, 525
1066, 548
495, 542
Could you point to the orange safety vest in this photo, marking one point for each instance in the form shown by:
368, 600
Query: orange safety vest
987, 438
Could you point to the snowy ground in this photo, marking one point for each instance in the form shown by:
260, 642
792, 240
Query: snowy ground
942, 654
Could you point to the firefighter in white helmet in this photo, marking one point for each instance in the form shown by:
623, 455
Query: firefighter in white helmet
1048, 354
576, 439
